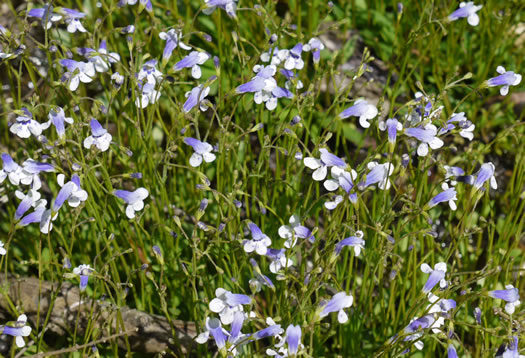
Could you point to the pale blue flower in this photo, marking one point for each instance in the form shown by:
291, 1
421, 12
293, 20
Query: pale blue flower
25, 125
292, 80
259, 241
58, 118
510, 295
452, 173
46, 15
511, 350
78, 195
279, 261
467, 10
196, 97
146, 95
338, 303
451, 352
437, 275
260, 279
320, 166
466, 127
72, 19
31, 170
427, 135
392, 126
292, 339
101, 59
133, 199
18, 329
63, 195
230, 6
219, 334
439, 305
149, 73
78, 72
26, 204
293, 58
226, 304
293, 231
99, 137
379, 174
35, 216
356, 242
314, 45
477, 315
362, 109
270, 331
344, 179
194, 60
202, 151
264, 87
505, 79
486, 173
173, 40
414, 330
11, 170
449, 194
83, 272
275, 56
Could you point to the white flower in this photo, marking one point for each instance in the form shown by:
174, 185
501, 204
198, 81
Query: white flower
279, 260
320, 166
74, 25
10, 170
134, 199
202, 151
78, 72
293, 231
35, 196
467, 10
379, 173
25, 125
78, 195
227, 303
149, 72
173, 40
505, 79
361, 109
259, 242
147, 95
343, 179
2, 250
194, 60
436, 275
331, 205
46, 222
338, 303
427, 135
103, 59
31, 170
19, 330
99, 137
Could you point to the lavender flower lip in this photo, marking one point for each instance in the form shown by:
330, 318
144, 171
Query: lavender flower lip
505, 79
508, 295
467, 10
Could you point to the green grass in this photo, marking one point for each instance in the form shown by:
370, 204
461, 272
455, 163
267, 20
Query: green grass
421, 50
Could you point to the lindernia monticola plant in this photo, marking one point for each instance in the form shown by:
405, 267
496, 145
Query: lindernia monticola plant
245, 178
